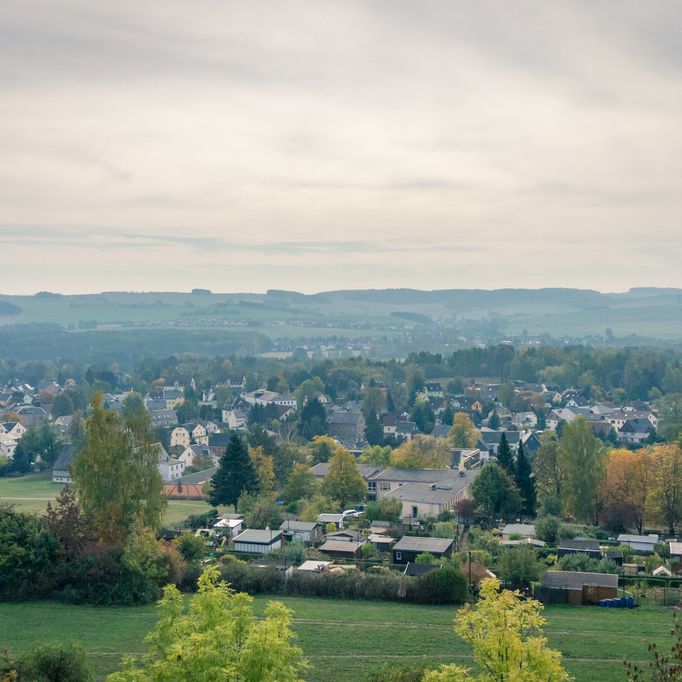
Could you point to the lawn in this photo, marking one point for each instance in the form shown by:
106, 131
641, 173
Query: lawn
33, 492
344, 640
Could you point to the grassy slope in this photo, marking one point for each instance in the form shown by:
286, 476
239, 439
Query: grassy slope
343, 640
33, 492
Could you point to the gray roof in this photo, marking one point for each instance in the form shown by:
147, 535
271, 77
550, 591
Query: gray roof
259, 537
416, 475
345, 417
409, 543
366, 470
574, 580
340, 546
199, 476
521, 528
65, 458
426, 492
645, 539
299, 525
582, 545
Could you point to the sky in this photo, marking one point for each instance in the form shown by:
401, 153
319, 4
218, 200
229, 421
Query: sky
313, 145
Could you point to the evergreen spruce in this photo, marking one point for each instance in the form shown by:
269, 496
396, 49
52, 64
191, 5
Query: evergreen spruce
504, 456
235, 474
524, 481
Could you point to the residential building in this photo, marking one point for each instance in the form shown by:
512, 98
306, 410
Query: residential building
253, 541
408, 548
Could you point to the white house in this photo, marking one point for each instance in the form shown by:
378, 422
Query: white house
639, 543
253, 541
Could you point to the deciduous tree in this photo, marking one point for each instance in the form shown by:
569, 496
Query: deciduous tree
506, 636
422, 452
581, 457
217, 637
664, 500
463, 433
343, 481
116, 475
495, 492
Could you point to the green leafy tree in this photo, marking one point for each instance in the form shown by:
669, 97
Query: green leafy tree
322, 449
547, 529
524, 481
548, 474
505, 458
301, 484
582, 459
62, 405
505, 634
217, 637
664, 498
376, 454
343, 481
495, 492
669, 410
423, 416
519, 566
235, 474
48, 663
494, 420
463, 433
386, 509
116, 475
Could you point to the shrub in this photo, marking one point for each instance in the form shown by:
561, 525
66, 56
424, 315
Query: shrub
47, 663
443, 529
28, 555
446, 585
408, 672
192, 547
547, 529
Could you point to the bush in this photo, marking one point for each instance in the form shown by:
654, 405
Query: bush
192, 547
547, 529
387, 509
390, 672
446, 585
443, 529
567, 532
49, 662
582, 562
28, 555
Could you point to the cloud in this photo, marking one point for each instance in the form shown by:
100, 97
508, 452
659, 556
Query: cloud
330, 144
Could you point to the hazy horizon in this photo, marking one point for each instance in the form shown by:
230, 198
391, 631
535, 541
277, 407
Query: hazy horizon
320, 146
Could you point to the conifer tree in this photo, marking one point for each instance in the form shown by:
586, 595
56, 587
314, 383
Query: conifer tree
235, 474
524, 481
504, 456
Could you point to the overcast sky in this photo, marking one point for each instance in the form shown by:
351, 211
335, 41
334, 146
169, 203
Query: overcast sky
316, 145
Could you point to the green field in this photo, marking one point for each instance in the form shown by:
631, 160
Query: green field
344, 640
33, 492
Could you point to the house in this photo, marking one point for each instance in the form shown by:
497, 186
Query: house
406, 430
229, 526
63, 423
409, 547
639, 543
169, 468
314, 566
418, 570
662, 572
336, 519
163, 419
341, 549
525, 420
31, 416
428, 500
523, 530
7, 445
235, 418
253, 541
305, 531
489, 440
194, 452
346, 425
385, 480
433, 389
675, 550
577, 587
14, 430
636, 431
381, 542
261, 397
61, 468
579, 546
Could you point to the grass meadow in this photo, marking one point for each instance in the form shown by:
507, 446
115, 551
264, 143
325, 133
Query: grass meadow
344, 640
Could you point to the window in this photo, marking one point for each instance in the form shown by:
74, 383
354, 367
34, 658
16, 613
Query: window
384, 486
415, 512
398, 555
